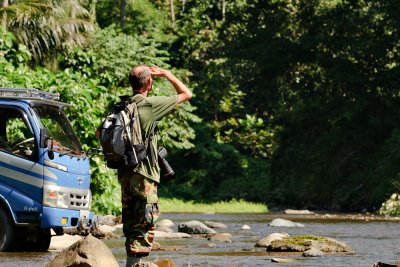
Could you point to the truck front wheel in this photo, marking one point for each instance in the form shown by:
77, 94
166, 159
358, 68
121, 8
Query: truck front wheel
7, 231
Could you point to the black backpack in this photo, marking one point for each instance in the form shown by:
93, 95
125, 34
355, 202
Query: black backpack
121, 136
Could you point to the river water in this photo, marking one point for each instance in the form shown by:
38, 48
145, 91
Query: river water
372, 241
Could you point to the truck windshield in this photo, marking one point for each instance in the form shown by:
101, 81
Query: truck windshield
64, 139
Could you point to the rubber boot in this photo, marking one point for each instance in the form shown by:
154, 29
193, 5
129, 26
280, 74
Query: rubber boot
132, 261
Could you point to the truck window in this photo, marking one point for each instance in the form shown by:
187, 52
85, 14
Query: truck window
64, 139
16, 136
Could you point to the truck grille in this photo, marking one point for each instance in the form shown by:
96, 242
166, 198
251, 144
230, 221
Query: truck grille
79, 201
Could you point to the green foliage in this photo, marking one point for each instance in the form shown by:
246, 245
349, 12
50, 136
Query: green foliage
47, 27
213, 171
232, 206
391, 207
142, 18
111, 54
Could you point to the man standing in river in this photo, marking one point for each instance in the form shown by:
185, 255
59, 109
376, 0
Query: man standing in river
140, 210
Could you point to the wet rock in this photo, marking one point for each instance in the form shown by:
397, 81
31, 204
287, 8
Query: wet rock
282, 260
245, 227
313, 252
110, 220
61, 242
298, 212
381, 264
195, 227
165, 222
155, 246
266, 241
165, 229
224, 237
160, 234
165, 263
212, 224
305, 242
284, 223
88, 252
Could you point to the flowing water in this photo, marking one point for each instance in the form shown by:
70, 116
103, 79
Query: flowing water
372, 241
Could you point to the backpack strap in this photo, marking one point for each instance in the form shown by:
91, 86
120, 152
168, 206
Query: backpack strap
148, 141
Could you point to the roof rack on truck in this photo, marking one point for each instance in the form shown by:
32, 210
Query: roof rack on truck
28, 93
31, 94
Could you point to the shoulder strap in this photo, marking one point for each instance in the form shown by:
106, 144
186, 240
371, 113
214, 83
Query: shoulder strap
138, 98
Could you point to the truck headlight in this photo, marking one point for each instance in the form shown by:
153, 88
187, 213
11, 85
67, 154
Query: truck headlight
53, 197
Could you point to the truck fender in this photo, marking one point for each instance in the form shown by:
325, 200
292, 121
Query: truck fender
4, 204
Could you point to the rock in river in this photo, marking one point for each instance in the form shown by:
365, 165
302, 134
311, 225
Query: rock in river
266, 241
303, 243
195, 227
284, 223
88, 252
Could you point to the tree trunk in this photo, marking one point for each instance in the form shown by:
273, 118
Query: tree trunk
4, 3
123, 13
171, 6
183, 6
223, 9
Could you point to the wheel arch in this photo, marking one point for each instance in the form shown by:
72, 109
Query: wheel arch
6, 206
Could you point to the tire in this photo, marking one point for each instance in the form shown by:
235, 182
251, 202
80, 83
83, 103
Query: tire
7, 231
43, 240
33, 240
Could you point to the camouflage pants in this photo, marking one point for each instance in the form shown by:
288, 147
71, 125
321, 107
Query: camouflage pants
139, 213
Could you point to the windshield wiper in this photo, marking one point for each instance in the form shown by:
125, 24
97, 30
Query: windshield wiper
68, 150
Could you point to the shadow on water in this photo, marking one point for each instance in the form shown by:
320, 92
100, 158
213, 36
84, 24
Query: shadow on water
372, 241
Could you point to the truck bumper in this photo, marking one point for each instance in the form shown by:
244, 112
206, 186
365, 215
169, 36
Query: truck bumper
67, 221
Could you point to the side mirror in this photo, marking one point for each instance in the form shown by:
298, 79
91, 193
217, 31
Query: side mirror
44, 136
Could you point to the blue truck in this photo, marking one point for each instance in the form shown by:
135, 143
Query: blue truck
44, 173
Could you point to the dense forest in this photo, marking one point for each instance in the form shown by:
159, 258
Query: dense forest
296, 101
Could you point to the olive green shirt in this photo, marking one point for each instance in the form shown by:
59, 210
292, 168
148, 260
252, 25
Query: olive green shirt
151, 111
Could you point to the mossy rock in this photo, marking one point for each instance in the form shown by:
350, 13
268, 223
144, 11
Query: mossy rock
302, 243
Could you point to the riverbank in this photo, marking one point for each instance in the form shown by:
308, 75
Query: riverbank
233, 206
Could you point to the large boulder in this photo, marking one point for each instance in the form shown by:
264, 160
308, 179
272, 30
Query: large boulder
266, 241
303, 243
165, 222
88, 252
195, 227
161, 234
284, 223
61, 242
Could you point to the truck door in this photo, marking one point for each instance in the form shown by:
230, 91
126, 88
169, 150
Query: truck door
21, 177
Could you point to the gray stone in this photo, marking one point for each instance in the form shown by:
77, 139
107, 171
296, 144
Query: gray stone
107, 220
266, 241
165, 229
215, 224
284, 223
88, 252
61, 242
165, 222
306, 242
282, 260
313, 252
224, 237
245, 227
298, 212
160, 234
195, 227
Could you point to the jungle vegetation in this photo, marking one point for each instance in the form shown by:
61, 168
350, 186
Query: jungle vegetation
296, 101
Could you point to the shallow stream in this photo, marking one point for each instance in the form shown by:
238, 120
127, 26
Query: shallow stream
372, 241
